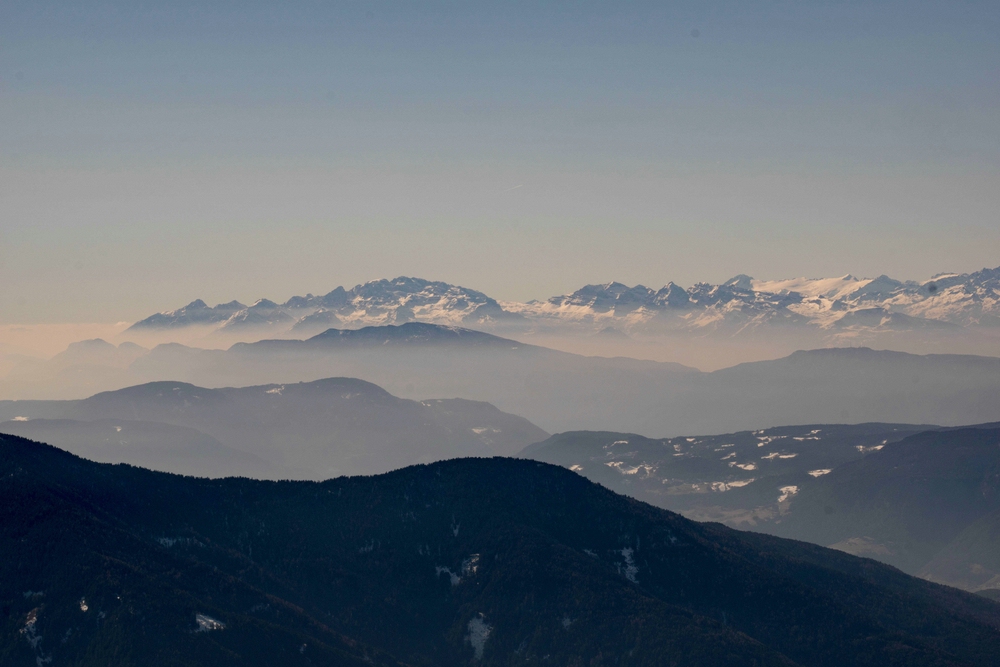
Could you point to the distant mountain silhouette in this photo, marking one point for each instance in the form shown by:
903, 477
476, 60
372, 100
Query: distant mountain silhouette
560, 391
308, 430
409, 334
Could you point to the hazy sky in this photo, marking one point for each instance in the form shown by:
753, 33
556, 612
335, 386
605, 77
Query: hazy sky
153, 153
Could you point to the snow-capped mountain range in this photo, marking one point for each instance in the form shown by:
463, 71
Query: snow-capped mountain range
374, 303
835, 306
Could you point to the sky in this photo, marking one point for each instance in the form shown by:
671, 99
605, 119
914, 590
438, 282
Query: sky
154, 153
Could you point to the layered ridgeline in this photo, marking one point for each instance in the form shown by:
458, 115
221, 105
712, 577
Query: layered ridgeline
830, 308
560, 391
312, 430
464, 562
926, 500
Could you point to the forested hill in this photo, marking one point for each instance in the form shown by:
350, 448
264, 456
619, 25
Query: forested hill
470, 561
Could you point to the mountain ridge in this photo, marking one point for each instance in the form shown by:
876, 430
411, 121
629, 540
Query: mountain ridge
471, 561
563, 391
303, 430
842, 307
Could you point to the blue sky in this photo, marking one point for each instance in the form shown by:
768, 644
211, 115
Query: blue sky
152, 153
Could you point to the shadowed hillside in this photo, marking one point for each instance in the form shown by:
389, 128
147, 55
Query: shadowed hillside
490, 562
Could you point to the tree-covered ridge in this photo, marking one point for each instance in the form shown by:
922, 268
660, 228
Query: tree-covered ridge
470, 561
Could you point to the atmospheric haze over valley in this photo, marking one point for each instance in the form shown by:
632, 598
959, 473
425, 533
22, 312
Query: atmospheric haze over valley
488, 334
706, 326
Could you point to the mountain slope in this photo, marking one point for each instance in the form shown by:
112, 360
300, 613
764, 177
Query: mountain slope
925, 504
153, 445
743, 479
971, 560
924, 499
420, 360
308, 430
463, 562
856, 385
561, 391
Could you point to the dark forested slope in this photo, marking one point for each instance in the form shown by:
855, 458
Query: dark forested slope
486, 561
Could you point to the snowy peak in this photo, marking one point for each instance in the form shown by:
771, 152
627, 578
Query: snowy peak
672, 296
402, 300
838, 307
262, 314
878, 289
966, 299
740, 282
195, 313
619, 299
607, 297
829, 288
379, 302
